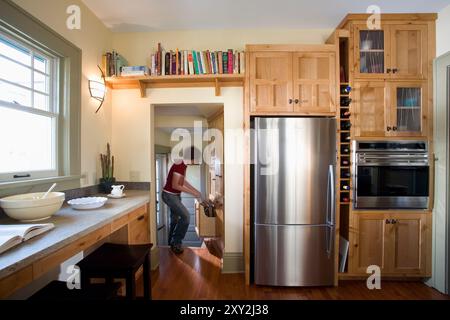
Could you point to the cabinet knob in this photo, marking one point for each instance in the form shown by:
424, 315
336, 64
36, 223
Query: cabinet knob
394, 128
388, 70
388, 221
296, 101
290, 101
388, 128
394, 221
395, 70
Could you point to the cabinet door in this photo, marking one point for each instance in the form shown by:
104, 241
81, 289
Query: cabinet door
314, 82
408, 109
409, 51
371, 52
271, 82
369, 105
407, 241
139, 230
367, 242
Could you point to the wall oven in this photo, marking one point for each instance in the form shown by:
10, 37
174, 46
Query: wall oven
391, 174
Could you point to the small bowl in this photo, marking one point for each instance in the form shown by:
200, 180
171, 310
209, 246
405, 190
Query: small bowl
30, 207
87, 203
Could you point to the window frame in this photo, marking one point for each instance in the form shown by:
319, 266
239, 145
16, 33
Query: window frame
53, 107
18, 23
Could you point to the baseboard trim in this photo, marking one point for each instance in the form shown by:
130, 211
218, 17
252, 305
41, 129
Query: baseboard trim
233, 262
154, 258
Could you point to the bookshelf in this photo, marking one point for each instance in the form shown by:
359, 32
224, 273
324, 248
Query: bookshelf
216, 81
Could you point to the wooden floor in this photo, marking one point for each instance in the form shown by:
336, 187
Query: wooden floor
196, 275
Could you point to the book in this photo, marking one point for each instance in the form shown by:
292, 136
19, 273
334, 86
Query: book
12, 235
199, 62
225, 62
167, 64
220, 61
195, 58
242, 62
213, 62
163, 62
230, 61
186, 62
191, 63
236, 61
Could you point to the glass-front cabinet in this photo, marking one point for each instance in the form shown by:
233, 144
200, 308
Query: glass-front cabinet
371, 52
392, 52
407, 116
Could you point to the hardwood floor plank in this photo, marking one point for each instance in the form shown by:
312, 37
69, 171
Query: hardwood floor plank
196, 275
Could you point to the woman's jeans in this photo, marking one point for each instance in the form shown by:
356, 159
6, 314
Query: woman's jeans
179, 218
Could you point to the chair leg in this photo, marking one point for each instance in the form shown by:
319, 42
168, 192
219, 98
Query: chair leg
147, 279
131, 286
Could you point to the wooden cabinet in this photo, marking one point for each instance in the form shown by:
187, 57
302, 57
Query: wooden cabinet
408, 109
396, 51
138, 229
314, 82
205, 226
292, 79
271, 82
369, 114
390, 109
396, 242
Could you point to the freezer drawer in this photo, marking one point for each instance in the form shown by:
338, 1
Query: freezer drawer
294, 255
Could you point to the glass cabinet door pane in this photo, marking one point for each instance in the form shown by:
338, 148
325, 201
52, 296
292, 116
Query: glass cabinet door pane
371, 48
409, 107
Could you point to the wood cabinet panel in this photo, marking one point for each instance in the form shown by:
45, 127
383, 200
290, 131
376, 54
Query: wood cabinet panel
369, 109
368, 242
409, 51
314, 82
271, 82
139, 230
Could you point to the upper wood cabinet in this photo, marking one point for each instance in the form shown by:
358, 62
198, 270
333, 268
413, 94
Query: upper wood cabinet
271, 82
314, 82
396, 242
292, 79
396, 51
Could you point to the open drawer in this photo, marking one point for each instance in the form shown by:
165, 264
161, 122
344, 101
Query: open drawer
204, 226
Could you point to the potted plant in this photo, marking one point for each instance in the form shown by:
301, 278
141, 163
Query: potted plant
107, 179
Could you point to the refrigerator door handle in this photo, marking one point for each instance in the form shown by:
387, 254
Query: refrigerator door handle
331, 196
331, 207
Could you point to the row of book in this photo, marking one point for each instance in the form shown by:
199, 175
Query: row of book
112, 64
187, 62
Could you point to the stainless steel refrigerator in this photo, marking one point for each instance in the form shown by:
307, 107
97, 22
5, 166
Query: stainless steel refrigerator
293, 192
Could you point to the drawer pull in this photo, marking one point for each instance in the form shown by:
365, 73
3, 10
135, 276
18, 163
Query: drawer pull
140, 218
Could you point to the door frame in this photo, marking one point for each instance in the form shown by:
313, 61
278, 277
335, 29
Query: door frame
440, 279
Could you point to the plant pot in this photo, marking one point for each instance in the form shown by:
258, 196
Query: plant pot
105, 185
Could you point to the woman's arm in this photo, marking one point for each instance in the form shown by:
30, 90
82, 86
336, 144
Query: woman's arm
179, 183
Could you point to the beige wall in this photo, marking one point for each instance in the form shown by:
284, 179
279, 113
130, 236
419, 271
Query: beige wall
93, 39
442, 32
137, 47
132, 140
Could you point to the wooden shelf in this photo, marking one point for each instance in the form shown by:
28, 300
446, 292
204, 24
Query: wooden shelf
176, 81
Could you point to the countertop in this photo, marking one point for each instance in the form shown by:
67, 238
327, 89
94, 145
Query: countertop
70, 225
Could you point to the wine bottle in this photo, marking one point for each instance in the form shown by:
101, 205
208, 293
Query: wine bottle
345, 199
345, 162
345, 101
346, 125
345, 187
345, 89
345, 175
345, 150
345, 114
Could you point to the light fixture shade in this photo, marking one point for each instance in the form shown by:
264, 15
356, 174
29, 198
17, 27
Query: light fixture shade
97, 89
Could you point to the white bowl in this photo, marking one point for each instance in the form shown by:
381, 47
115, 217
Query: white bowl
30, 206
87, 203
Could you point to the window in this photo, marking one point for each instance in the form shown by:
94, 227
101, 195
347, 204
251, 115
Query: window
29, 111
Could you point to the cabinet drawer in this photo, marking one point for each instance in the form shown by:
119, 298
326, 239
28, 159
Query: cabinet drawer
137, 213
119, 223
138, 230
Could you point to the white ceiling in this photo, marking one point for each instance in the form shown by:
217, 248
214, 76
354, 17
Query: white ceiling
195, 110
157, 15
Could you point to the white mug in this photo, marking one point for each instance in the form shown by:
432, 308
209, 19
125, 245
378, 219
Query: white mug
117, 190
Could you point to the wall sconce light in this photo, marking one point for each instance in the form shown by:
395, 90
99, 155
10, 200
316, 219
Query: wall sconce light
97, 89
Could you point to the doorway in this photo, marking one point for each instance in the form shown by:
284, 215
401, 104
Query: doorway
168, 120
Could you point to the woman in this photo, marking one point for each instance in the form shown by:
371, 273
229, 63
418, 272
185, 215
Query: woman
179, 216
